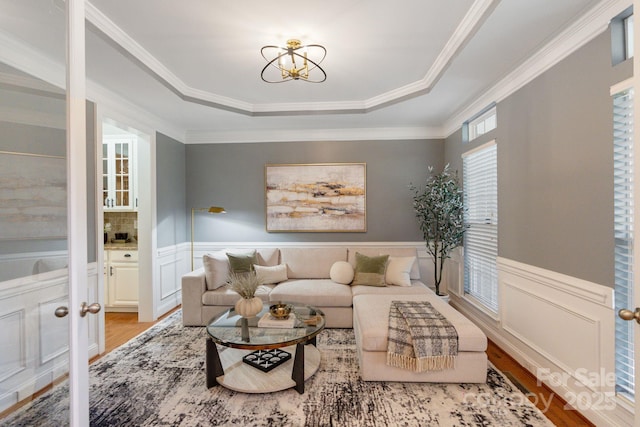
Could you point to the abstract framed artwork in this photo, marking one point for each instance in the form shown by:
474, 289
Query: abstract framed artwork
318, 197
33, 196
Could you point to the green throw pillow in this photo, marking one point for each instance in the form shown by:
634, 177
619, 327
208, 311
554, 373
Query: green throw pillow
242, 262
370, 270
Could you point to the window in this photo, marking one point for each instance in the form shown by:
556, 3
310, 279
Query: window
484, 122
621, 28
480, 179
623, 235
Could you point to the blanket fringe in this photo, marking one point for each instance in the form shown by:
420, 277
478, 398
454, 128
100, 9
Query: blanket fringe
430, 363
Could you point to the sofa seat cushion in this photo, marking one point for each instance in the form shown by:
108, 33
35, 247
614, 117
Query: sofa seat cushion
416, 288
371, 313
317, 292
227, 297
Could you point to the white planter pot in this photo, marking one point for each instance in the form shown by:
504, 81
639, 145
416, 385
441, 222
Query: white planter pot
248, 307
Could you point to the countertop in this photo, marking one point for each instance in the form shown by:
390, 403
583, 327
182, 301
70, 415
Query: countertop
129, 246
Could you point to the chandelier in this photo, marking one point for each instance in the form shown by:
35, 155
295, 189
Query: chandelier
293, 62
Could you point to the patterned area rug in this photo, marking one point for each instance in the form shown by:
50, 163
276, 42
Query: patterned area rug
158, 379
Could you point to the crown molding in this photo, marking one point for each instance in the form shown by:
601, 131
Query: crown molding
53, 75
24, 58
471, 22
583, 30
310, 135
115, 107
33, 118
31, 84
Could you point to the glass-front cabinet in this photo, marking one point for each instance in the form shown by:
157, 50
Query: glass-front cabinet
118, 170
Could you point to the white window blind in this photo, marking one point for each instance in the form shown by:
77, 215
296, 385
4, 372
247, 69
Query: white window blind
623, 234
480, 178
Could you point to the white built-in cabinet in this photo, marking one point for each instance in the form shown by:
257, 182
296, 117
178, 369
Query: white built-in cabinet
121, 280
119, 174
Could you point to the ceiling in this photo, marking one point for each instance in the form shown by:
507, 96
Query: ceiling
394, 69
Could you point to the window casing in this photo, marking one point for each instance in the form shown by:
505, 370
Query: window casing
622, 39
480, 178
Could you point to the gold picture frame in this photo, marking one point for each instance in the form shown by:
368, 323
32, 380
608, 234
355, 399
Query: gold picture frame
316, 197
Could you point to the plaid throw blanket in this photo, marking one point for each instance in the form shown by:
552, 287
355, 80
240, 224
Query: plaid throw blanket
420, 338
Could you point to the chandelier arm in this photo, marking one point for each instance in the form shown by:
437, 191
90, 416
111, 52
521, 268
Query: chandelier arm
272, 81
315, 64
272, 62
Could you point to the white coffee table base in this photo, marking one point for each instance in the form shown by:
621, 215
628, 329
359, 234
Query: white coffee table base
240, 376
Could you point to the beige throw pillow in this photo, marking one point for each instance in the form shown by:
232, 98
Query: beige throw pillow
399, 270
341, 272
216, 269
370, 270
271, 275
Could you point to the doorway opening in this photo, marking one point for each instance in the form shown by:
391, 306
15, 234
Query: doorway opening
126, 219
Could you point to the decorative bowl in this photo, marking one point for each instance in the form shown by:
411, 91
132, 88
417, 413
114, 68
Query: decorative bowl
280, 311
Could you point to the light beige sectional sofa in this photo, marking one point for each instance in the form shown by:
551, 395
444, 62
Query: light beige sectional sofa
316, 276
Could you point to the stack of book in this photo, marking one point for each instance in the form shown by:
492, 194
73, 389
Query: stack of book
268, 321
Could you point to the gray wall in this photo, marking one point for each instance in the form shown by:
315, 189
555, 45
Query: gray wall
232, 176
555, 166
171, 185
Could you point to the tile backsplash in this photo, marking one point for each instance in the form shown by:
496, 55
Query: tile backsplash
122, 222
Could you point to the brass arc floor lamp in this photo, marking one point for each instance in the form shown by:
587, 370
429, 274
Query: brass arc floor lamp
211, 210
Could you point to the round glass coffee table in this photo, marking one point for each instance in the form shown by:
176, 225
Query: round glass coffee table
256, 359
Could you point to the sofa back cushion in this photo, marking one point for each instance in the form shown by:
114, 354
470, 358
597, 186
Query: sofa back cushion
268, 257
311, 263
392, 252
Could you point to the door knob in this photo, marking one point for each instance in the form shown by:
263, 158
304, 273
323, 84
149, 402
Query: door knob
61, 311
93, 308
630, 315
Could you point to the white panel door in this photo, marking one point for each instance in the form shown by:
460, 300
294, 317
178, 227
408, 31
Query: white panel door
43, 203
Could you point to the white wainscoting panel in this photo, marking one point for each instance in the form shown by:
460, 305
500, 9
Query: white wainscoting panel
560, 328
568, 321
35, 343
13, 357
171, 266
54, 331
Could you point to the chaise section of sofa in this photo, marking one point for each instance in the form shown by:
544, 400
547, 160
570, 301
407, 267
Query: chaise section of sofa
371, 329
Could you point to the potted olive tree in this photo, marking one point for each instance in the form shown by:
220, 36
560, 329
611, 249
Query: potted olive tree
439, 209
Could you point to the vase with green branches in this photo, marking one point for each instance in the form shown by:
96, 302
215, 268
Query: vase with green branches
439, 209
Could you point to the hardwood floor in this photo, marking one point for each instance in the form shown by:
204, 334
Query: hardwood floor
121, 327
540, 395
